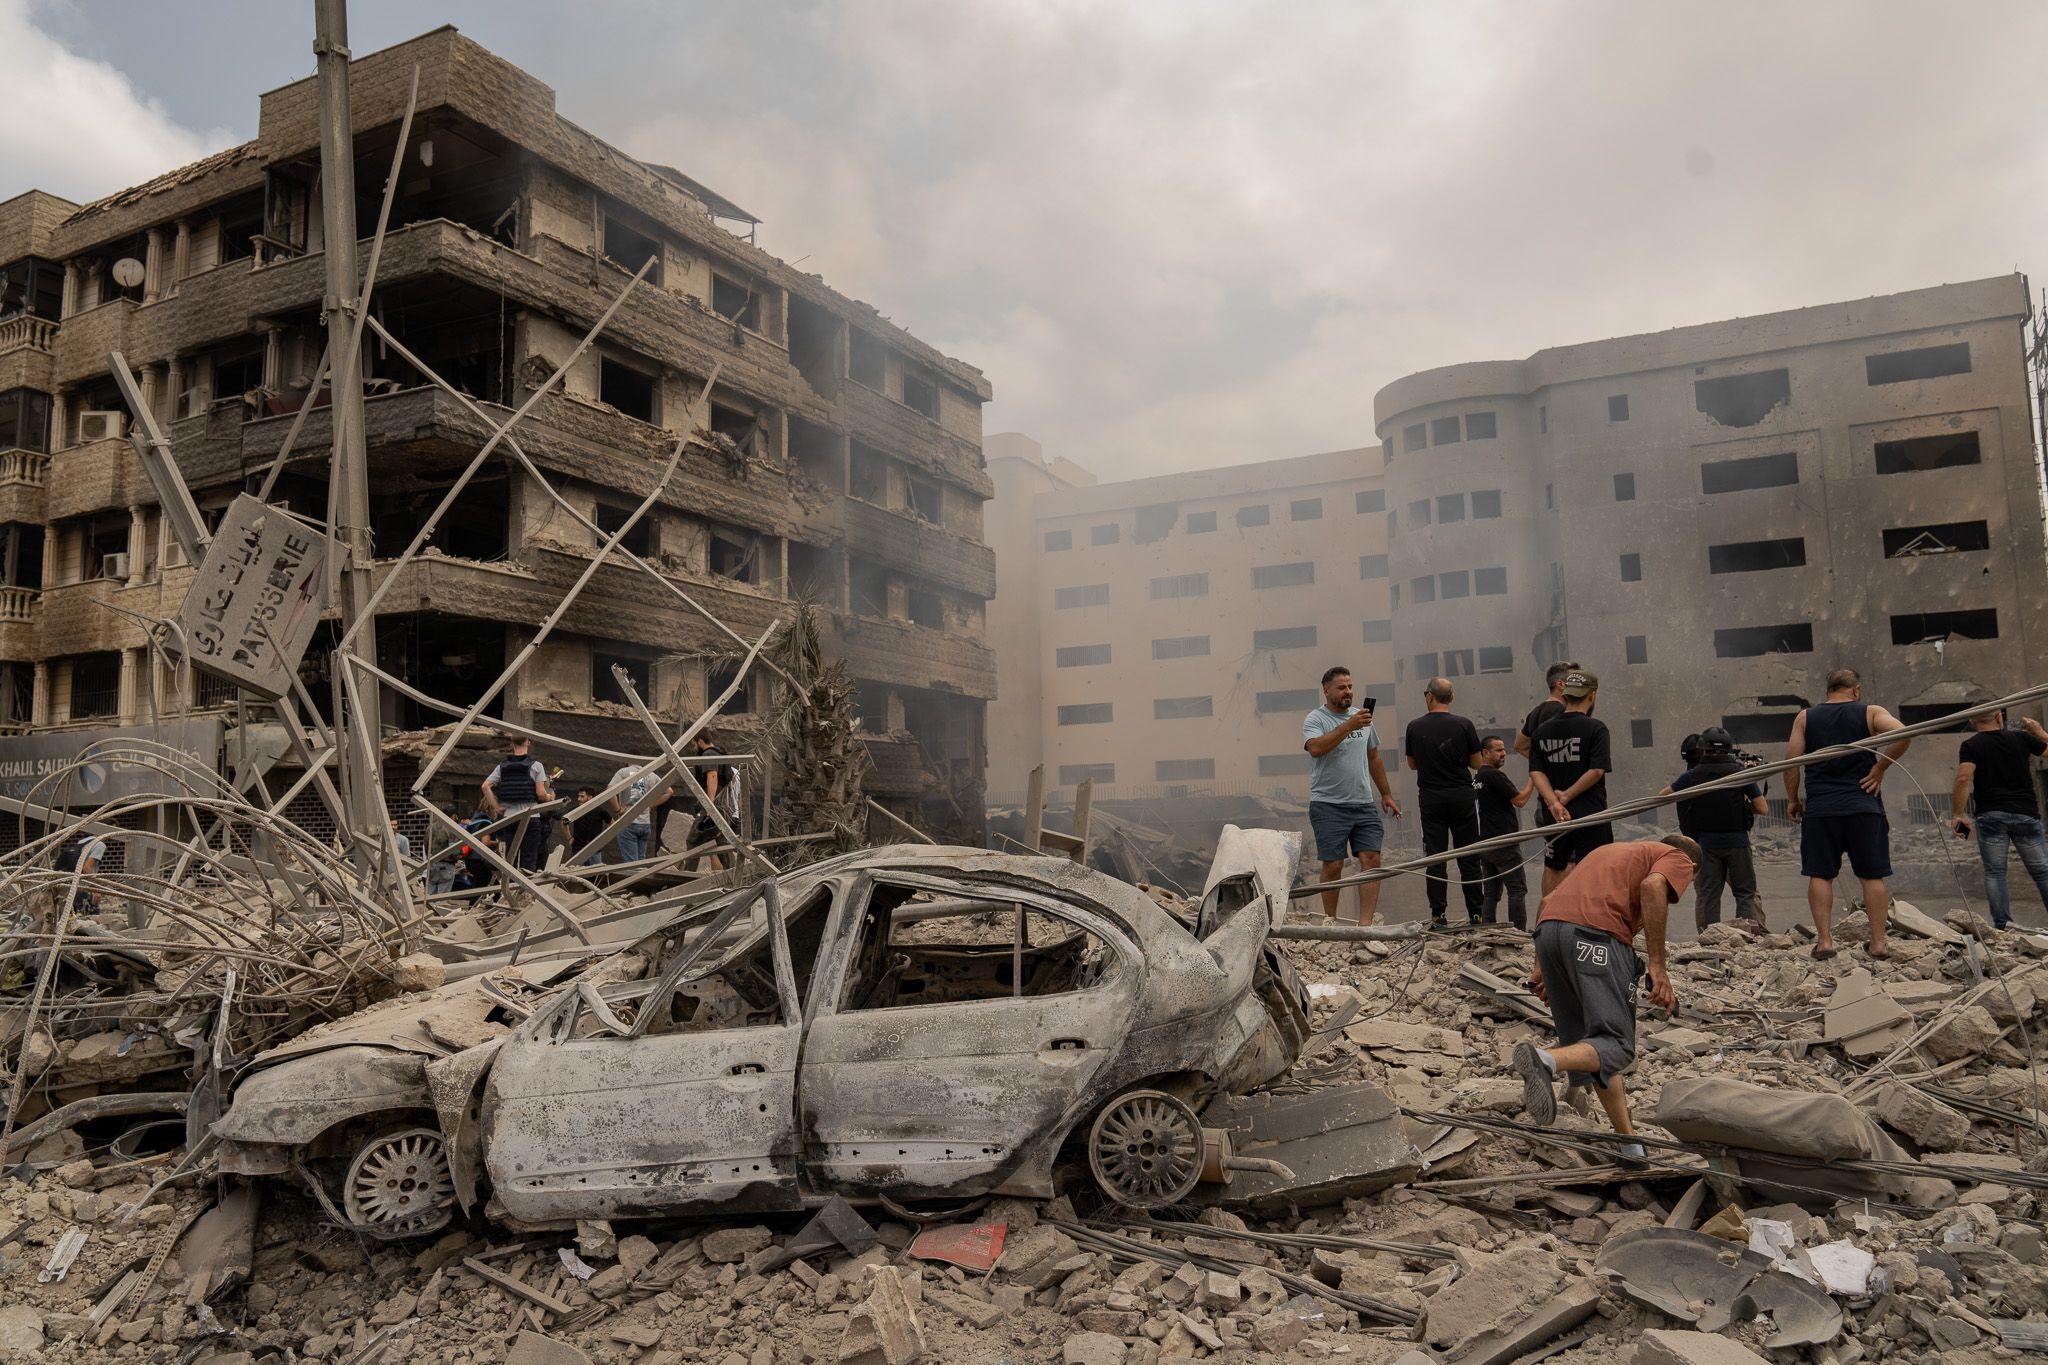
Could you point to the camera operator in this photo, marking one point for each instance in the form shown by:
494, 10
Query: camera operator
1719, 823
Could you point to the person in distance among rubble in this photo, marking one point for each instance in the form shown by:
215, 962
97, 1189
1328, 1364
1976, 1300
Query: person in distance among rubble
1719, 823
1587, 970
1347, 788
1993, 766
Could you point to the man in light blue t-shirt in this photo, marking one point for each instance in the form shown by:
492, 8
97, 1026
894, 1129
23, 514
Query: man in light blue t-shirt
1347, 790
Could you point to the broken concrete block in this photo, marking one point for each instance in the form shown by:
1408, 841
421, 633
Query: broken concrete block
641, 1334
1862, 1019
973, 1312
885, 1329
1092, 1348
418, 972
1278, 1332
1920, 1117
21, 1330
1185, 1284
1969, 1032
1504, 1306
1220, 1292
531, 1348
1661, 1346
728, 1246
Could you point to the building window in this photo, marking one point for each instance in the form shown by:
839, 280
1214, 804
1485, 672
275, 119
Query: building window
1415, 437
1372, 566
639, 540
1418, 512
1543, 418
1390, 526
1426, 666
95, 685
1285, 637
1299, 699
1458, 663
1106, 534
1180, 585
1631, 568
1453, 584
1181, 647
1748, 642
1918, 453
1421, 590
1394, 592
1496, 659
1640, 734
1283, 765
1756, 556
1754, 471
1450, 507
1927, 362
1760, 727
1283, 575
1919, 627
1624, 488
1914, 715
1184, 769
604, 684
1199, 522
921, 395
1378, 632
1636, 648
1480, 426
627, 389
1305, 509
1059, 540
1182, 708
1080, 656
25, 420
1549, 498
1155, 522
736, 302
1254, 516
1088, 713
1742, 400
1936, 538
1491, 582
1371, 500
1443, 431
864, 360
1086, 595
1617, 407
1074, 774
1486, 504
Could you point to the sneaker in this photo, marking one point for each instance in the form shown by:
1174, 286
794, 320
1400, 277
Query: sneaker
1539, 1087
1633, 1154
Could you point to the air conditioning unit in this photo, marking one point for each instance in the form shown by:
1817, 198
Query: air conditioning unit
101, 425
114, 565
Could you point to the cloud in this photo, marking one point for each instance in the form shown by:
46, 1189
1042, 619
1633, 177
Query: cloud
77, 127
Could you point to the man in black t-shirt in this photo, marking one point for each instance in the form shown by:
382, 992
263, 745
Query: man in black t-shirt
1568, 760
1443, 749
1500, 804
1549, 709
1996, 763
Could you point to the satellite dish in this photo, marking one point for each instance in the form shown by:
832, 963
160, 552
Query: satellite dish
128, 272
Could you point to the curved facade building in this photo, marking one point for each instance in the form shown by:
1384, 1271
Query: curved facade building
1713, 517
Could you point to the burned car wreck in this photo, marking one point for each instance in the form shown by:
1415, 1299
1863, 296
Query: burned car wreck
910, 1024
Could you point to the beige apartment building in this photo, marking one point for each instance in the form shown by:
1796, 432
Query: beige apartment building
1713, 517
1167, 635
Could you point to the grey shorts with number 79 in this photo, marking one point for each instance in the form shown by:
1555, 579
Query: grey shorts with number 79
1591, 978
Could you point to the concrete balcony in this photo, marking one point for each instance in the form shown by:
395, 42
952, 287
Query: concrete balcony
24, 476
18, 612
27, 333
903, 541
906, 655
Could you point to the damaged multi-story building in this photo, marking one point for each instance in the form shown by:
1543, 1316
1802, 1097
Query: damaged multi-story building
1713, 517
844, 465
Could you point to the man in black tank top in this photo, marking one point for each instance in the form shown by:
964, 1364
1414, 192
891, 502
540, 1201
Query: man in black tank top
1843, 812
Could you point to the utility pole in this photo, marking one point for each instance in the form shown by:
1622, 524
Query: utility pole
348, 487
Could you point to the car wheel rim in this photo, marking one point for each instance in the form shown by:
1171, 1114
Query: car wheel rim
1146, 1149
399, 1184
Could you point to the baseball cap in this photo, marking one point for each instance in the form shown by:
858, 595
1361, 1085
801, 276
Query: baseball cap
1579, 683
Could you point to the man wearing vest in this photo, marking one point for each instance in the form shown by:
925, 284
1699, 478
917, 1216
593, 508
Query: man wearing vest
519, 783
1719, 823
1843, 812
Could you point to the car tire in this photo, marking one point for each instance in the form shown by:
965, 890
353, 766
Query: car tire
1145, 1149
398, 1184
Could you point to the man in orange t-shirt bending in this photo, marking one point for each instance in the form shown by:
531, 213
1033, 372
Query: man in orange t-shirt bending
1587, 969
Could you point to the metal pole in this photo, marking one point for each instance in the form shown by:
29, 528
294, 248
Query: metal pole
348, 487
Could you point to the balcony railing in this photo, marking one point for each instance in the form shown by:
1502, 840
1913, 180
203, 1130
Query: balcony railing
27, 333
24, 467
18, 604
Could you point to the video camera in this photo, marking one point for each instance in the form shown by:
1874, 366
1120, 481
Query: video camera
1714, 741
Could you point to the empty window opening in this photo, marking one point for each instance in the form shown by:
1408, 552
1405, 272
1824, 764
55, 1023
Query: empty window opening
1108, 533
1427, 666
640, 540
237, 373
1080, 656
1491, 582
1198, 522
1543, 419
106, 547
630, 250
1455, 583
736, 302
1915, 454
1925, 362
740, 428
1458, 663
1753, 471
1640, 734
1181, 647
1443, 431
1742, 400
1624, 488
1418, 512
1415, 437
870, 588
1756, 556
1074, 774
869, 476
1182, 708
1636, 649
1370, 500
1154, 522
1085, 595
1184, 770
920, 394
1480, 426
1421, 590
1939, 538
1283, 765
1372, 566
1760, 727
1283, 575
628, 390
864, 359
927, 609
1632, 568
1914, 715
814, 345
1376, 632
1179, 585
1254, 516
1296, 699
1059, 540
735, 556
1748, 642
1486, 504
927, 501
1285, 637
604, 685
1088, 713
1617, 407
1450, 507
1919, 627
1305, 509
1496, 659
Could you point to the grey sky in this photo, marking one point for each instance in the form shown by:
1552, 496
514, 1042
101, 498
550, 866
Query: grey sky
1185, 233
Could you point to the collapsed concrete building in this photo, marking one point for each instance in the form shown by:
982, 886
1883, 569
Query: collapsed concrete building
843, 465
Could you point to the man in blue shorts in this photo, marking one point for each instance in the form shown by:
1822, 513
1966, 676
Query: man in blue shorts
1347, 790
1843, 810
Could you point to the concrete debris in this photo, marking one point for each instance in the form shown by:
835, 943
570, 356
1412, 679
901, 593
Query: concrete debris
1662, 1346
